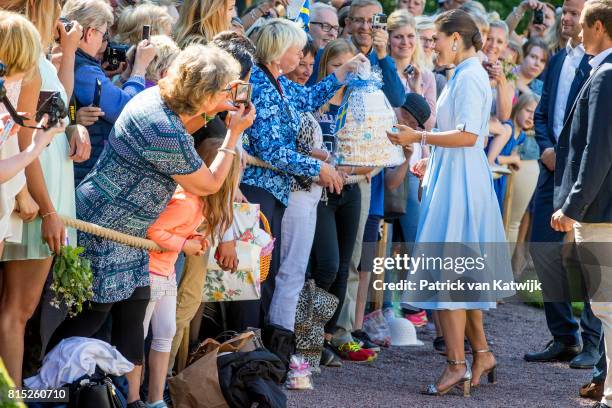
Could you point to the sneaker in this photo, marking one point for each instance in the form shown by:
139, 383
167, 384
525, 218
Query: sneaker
136, 404
352, 351
156, 404
329, 358
417, 319
365, 341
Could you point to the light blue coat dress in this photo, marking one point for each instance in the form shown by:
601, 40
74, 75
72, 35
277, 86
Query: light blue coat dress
458, 203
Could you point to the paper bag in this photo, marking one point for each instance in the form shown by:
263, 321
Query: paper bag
197, 386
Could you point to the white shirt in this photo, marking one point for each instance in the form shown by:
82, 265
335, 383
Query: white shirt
568, 72
599, 58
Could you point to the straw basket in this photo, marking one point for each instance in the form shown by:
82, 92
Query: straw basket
264, 261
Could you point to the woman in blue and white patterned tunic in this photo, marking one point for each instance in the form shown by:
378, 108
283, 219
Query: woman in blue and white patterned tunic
149, 152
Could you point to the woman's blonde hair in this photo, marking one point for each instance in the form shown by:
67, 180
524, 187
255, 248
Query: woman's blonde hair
402, 18
20, 47
197, 73
275, 37
332, 50
43, 15
218, 207
166, 52
132, 19
89, 13
203, 19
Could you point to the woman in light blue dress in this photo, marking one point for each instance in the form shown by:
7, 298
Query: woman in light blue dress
459, 204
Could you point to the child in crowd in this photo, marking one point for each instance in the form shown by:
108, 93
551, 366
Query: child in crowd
507, 136
175, 231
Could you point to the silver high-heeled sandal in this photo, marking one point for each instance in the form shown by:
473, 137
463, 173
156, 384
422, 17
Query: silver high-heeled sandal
465, 381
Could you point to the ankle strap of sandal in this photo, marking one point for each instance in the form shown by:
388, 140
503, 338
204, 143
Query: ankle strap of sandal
455, 362
482, 351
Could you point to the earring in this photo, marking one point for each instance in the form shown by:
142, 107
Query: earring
455, 46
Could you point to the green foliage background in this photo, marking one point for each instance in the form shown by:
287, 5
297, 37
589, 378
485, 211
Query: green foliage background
503, 7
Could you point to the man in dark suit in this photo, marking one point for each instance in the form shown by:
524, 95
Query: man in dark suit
583, 176
567, 72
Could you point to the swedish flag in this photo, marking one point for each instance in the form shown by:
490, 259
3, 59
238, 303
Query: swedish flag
304, 16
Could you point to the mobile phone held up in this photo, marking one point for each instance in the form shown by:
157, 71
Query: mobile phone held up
97, 94
242, 94
146, 32
379, 21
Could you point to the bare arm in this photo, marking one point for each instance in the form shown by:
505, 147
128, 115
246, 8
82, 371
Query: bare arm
69, 42
53, 231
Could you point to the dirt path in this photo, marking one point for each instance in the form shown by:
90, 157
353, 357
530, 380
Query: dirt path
395, 378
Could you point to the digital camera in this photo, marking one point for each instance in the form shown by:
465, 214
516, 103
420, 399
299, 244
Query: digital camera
379, 21
114, 55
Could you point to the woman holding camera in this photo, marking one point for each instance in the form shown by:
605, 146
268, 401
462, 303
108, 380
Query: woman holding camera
148, 153
458, 203
96, 16
503, 89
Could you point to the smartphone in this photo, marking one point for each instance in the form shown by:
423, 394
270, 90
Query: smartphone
97, 94
379, 21
538, 16
409, 70
146, 32
242, 94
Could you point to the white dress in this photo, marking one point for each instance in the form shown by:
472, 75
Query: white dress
10, 224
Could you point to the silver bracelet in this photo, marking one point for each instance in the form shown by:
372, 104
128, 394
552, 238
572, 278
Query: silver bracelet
423, 138
226, 150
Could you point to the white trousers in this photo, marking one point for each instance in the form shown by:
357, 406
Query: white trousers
161, 313
297, 234
595, 256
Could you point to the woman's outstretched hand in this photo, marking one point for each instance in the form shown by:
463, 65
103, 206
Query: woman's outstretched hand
350, 66
405, 135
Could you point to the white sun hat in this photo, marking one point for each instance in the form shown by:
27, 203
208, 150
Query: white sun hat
403, 333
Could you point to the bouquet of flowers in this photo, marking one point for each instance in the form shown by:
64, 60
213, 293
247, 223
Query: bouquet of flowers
72, 279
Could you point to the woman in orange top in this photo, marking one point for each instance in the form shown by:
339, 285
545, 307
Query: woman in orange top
176, 230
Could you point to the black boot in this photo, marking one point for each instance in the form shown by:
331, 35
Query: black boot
279, 341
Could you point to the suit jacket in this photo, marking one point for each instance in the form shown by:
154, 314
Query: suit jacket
545, 112
583, 176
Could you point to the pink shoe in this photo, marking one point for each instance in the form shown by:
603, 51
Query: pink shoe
417, 319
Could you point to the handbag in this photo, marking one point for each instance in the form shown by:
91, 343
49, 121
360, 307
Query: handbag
395, 201
95, 391
244, 284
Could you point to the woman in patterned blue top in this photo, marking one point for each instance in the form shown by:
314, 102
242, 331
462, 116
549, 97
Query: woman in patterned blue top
149, 152
272, 138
